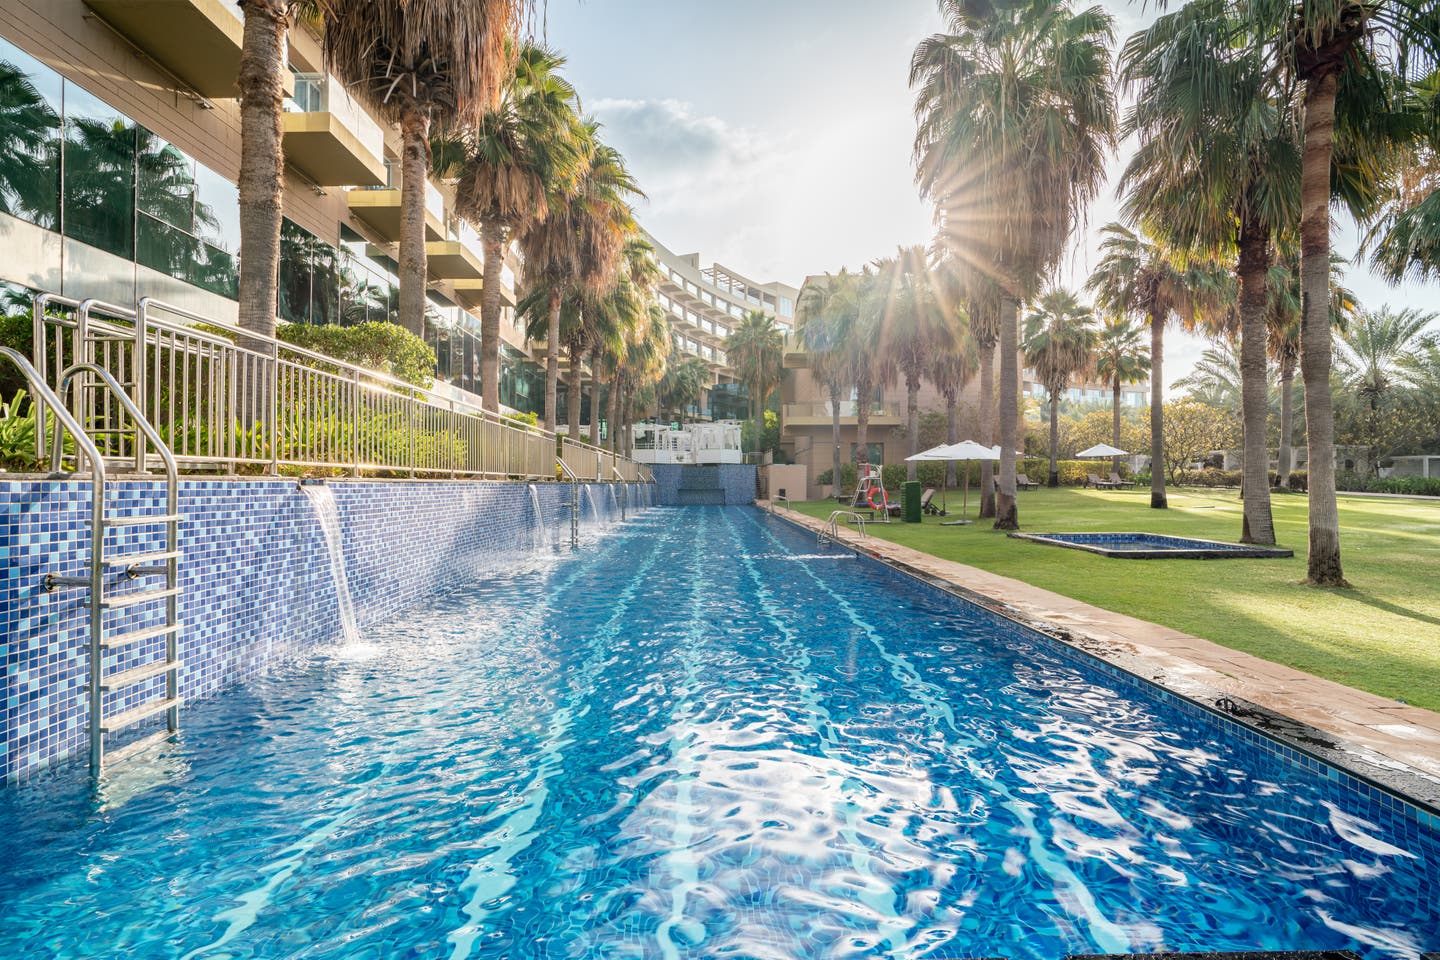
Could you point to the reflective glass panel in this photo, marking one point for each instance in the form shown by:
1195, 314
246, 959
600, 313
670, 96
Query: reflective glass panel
30, 99
99, 200
165, 181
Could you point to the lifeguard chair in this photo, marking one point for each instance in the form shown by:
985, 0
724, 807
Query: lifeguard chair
870, 494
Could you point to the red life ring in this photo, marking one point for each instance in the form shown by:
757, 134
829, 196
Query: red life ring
877, 504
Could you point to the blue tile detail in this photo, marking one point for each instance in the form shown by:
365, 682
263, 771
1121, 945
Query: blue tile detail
255, 575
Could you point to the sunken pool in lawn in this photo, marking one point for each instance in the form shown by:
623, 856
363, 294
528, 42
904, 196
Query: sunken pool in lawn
700, 738
1154, 546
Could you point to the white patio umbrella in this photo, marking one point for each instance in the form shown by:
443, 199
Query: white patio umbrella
1102, 450
934, 453
968, 450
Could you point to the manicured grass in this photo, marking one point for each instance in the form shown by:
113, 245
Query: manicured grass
1383, 635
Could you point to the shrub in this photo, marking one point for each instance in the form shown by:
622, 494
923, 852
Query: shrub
1297, 481
1413, 486
848, 476
528, 419
377, 345
1209, 477
1072, 472
17, 434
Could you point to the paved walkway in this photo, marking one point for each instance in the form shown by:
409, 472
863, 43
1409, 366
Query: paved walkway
1374, 732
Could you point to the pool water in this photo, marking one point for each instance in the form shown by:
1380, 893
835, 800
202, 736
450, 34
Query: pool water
1155, 546
699, 737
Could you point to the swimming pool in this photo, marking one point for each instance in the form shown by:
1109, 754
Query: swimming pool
697, 738
1155, 546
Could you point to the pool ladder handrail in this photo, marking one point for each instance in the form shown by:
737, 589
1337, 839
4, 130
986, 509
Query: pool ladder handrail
574, 504
831, 533
624, 491
145, 564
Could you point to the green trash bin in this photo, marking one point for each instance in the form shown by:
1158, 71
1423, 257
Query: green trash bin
910, 494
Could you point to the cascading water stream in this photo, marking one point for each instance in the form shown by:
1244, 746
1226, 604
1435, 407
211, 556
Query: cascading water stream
322, 498
594, 507
539, 536
614, 504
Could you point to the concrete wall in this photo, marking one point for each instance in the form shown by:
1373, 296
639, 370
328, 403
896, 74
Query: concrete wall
255, 574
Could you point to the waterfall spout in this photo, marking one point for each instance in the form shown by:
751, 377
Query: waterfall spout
322, 498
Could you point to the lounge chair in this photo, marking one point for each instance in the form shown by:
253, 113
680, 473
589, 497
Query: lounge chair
926, 506
1023, 482
1091, 480
1117, 481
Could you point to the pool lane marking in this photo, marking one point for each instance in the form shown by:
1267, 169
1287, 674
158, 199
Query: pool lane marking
243, 915
492, 876
680, 859
894, 928
250, 903
1109, 937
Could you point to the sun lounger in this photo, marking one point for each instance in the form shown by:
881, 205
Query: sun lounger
1091, 480
926, 506
1023, 482
1117, 481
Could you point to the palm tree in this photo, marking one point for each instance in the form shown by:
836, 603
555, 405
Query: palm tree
1218, 173
1120, 358
825, 321
422, 64
684, 381
1216, 380
870, 368
261, 86
980, 296
756, 349
950, 370
1347, 61
1375, 353
1059, 342
1139, 276
915, 326
511, 156
1015, 114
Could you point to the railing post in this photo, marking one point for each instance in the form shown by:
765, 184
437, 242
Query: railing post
355, 423
139, 367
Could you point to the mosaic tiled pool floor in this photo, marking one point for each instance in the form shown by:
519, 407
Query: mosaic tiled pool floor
701, 738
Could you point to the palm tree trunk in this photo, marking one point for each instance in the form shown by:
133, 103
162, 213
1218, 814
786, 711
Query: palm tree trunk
952, 434
492, 238
1157, 411
574, 382
1287, 422
1054, 480
863, 388
595, 404
912, 423
552, 363
615, 425
414, 168
1115, 423
1007, 514
1257, 526
835, 436
262, 184
1323, 565
987, 429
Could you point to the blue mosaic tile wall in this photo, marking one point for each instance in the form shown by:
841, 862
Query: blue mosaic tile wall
735, 483
255, 575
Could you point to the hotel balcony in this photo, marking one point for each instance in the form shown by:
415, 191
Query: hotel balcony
379, 207
819, 414
467, 292
330, 138
196, 40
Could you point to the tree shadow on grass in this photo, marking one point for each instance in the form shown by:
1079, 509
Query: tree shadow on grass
1389, 607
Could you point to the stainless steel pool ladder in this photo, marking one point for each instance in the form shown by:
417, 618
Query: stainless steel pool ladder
831, 533
147, 564
574, 504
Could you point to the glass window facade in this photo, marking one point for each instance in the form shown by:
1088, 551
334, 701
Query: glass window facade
31, 107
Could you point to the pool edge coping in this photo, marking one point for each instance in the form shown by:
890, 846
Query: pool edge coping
1394, 778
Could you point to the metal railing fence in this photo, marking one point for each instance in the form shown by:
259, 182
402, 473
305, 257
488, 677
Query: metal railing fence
224, 398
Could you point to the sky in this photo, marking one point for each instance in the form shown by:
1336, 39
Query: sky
774, 136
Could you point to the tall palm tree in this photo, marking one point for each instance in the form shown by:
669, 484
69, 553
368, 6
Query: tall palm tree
1015, 114
870, 368
1059, 342
510, 157
1218, 172
825, 322
756, 349
980, 295
1120, 358
261, 85
951, 370
915, 326
1374, 349
683, 383
1347, 60
1139, 276
1216, 380
422, 64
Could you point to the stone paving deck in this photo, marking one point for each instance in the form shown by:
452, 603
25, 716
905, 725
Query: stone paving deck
1392, 743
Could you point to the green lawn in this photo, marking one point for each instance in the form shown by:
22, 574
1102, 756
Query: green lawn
1383, 635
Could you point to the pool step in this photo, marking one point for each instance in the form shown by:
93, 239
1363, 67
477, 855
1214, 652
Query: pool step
128, 718
147, 742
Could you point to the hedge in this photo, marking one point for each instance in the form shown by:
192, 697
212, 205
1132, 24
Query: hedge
1413, 486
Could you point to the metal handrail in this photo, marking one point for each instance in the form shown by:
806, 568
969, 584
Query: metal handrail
574, 501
